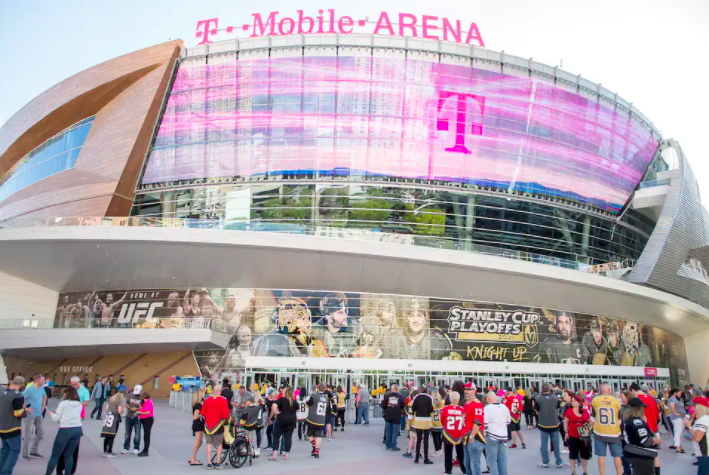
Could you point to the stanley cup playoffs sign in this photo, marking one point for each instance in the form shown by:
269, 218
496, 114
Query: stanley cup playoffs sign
324, 324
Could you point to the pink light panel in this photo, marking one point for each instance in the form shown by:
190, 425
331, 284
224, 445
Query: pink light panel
365, 117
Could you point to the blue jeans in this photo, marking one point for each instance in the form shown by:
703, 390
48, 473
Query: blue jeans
390, 435
9, 454
554, 435
66, 441
472, 453
496, 451
363, 413
132, 425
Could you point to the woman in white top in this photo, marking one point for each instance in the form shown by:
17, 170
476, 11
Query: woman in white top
68, 414
302, 413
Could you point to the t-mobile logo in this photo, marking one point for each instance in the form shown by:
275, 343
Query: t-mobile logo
461, 117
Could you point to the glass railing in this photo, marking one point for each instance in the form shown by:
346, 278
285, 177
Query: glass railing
309, 230
74, 320
653, 183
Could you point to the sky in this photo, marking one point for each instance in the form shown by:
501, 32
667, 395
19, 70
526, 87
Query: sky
652, 52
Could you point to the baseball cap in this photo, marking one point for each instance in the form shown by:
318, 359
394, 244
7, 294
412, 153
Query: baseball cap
636, 402
701, 400
645, 388
634, 387
123, 391
137, 389
470, 385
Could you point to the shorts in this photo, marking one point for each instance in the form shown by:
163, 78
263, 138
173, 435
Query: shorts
577, 447
215, 439
314, 431
600, 447
328, 419
514, 426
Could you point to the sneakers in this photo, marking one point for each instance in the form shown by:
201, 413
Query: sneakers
330, 438
135, 451
111, 455
257, 453
564, 451
143, 454
543, 465
559, 465
513, 446
125, 451
408, 455
342, 430
524, 446
395, 449
210, 466
218, 466
35, 455
26, 459
456, 463
428, 462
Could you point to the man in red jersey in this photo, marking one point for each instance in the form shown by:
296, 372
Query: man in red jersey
513, 428
652, 412
453, 422
216, 413
475, 430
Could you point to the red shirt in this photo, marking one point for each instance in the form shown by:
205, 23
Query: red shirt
512, 404
576, 421
474, 414
453, 422
216, 413
651, 411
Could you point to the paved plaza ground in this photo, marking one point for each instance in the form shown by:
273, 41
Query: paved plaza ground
356, 451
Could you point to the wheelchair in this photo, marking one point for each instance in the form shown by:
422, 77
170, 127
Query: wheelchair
237, 450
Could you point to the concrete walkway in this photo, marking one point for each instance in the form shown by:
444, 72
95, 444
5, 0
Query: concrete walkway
357, 450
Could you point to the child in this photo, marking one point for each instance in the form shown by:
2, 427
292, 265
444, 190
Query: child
252, 421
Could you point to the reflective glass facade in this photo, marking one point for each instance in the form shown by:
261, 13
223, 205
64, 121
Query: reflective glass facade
368, 118
55, 155
439, 218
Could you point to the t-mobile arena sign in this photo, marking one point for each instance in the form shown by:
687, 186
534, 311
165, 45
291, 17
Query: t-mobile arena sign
413, 26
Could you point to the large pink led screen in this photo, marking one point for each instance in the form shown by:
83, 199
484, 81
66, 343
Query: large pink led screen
360, 118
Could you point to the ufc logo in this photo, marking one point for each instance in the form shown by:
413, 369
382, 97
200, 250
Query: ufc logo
461, 117
134, 311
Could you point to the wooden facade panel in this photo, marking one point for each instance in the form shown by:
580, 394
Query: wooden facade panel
125, 94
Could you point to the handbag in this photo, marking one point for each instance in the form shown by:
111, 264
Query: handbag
585, 433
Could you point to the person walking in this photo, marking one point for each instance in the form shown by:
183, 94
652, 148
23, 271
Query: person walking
514, 430
147, 419
252, 422
363, 398
197, 425
302, 413
315, 419
641, 442
99, 396
284, 410
497, 418
114, 412
576, 416
453, 426
12, 411
607, 428
528, 407
475, 428
437, 425
36, 399
393, 405
547, 405
677, 415
132, 418
422, 421
68, 415
341, 408
698, 432
216, 413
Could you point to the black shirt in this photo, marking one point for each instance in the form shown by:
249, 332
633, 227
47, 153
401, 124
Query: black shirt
228, 394
198, 425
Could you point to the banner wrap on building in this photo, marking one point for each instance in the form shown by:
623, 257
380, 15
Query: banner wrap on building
283, 323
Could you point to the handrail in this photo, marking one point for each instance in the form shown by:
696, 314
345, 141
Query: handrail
355, 234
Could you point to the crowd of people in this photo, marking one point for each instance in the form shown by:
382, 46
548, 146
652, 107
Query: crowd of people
468, 424
23, 409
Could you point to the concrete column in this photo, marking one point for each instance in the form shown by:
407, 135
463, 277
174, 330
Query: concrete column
698, 358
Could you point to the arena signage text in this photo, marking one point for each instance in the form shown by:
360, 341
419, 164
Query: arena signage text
408, 25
